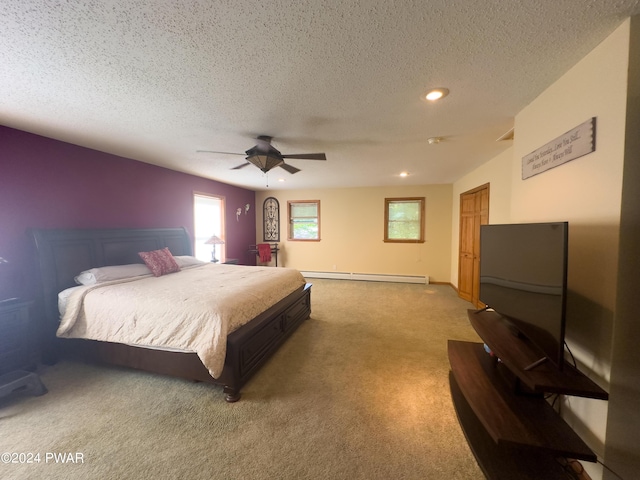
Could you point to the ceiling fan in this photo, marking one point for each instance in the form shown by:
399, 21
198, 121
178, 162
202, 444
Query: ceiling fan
265, 156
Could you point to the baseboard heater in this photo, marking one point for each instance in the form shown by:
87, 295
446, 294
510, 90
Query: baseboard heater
369, 277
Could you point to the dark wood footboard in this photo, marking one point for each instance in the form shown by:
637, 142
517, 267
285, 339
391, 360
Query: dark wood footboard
249, 347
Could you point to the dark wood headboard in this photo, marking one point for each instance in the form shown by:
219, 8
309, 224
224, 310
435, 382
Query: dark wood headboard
62, 254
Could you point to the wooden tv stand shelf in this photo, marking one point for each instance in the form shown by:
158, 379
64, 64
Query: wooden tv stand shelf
512, 430
517, 354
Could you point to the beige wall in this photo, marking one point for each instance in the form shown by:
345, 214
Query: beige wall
622, 452
587, 193
352, 232
497, 173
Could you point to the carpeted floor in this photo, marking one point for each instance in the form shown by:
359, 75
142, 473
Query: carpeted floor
360, 391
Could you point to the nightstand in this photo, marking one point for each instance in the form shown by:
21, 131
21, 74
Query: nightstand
16, 356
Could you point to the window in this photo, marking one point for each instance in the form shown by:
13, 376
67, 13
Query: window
208, 220
404, 220
304, 220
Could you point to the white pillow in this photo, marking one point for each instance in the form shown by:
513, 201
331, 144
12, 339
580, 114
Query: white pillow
114, 272
63, 298
187, 261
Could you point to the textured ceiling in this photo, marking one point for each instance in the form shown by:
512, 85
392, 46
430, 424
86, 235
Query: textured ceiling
158, 80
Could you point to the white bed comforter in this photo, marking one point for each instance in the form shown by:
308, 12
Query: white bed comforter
192, 310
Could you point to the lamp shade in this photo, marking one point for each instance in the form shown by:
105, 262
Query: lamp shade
214, 240
265, 161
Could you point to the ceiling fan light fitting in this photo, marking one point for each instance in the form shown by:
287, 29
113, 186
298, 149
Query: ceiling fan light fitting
265, 162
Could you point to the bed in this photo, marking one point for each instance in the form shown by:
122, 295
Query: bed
63, 254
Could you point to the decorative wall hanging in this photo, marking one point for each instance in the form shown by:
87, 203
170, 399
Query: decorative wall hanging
271, 220
574, 144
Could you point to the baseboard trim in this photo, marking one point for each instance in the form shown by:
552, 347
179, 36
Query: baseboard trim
368, 277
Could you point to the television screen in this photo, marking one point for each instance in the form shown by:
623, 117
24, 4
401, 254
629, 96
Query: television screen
523, 277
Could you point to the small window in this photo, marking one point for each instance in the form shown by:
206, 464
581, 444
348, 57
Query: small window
304, 220
404, 220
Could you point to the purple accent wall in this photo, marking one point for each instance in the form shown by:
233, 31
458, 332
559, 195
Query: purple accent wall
46, 183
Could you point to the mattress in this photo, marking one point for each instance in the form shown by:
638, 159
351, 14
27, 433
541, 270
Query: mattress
192, 310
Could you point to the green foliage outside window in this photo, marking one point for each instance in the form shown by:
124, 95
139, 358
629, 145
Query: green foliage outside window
304, 220
305, 229
404, 220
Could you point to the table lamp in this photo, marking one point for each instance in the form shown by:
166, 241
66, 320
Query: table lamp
214, 240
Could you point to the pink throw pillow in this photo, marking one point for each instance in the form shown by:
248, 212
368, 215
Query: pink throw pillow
160, 262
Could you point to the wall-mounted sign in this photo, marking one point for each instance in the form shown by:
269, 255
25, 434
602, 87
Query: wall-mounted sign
574, 144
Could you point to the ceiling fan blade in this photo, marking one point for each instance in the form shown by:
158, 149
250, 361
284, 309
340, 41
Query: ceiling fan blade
265, 156
307, 156
241, 166
223, 153
289, 168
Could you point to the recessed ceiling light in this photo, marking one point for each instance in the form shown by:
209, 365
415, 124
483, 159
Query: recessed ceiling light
434, 140
404, 174
436, 94
281, 180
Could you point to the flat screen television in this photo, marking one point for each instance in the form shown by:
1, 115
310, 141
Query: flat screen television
523, 277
